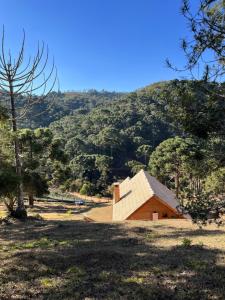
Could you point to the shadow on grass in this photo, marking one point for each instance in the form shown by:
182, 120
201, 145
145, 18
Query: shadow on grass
192, 233
78, 260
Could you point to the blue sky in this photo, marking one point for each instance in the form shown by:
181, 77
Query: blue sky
104, 44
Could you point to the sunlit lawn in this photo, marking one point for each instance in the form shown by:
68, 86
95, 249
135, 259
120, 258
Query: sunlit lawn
2, 213
64, 257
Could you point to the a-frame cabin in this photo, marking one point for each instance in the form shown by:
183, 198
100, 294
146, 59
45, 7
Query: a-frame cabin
143, 197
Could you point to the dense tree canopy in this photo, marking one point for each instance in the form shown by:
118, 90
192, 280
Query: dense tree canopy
58, 105
215, 182
128, 130
197, 107
114, 134
177, 127
174, 159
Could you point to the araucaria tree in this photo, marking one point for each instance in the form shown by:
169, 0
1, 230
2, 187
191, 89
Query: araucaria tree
25, 83
206, 47
174, 159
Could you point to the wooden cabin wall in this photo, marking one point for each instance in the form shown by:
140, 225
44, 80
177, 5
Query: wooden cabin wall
153, 205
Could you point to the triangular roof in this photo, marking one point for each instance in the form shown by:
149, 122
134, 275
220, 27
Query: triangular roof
135, 191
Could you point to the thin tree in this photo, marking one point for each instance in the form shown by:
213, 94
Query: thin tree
25, 83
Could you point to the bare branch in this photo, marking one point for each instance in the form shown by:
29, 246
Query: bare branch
19, 60
2, 57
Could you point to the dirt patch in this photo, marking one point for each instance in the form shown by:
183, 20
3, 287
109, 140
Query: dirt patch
101, 214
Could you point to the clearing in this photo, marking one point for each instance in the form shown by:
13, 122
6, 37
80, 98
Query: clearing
64, 257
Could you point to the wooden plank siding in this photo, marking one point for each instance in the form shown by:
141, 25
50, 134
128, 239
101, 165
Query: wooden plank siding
154, 205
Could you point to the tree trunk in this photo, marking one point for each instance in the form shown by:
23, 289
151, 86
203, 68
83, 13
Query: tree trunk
31, 200
177, 184
20, 209
9, 203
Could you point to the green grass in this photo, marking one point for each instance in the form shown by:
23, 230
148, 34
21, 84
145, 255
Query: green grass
48, 282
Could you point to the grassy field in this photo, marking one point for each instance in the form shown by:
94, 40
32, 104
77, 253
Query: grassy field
63, 257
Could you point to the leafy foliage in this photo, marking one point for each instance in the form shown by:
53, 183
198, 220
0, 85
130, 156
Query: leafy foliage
8, 181
102, 144
176, 127
58, 105
197, 107
202, 206
215, 182
206, 46
174, 160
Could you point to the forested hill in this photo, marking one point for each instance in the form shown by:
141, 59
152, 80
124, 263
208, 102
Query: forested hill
63, 104
58, 105
117, 138
114, 138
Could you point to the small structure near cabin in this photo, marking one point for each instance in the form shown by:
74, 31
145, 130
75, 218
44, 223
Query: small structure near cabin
143, 197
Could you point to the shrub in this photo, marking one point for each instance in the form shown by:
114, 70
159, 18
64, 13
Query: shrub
76, 185
87, 189
186, 242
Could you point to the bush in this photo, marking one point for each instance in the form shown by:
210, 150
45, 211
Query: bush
203, 207
76, 185
186, 242
87, 189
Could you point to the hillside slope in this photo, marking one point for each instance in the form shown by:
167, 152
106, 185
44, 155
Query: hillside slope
115, 138
58, 105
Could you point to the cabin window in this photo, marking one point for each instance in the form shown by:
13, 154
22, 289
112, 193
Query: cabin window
165, 215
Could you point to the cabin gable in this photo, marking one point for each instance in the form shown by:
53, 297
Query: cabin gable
154, 205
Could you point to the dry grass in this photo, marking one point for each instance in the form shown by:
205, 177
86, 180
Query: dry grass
2, 213
172, 232
101, 214
60, 211
63, 257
